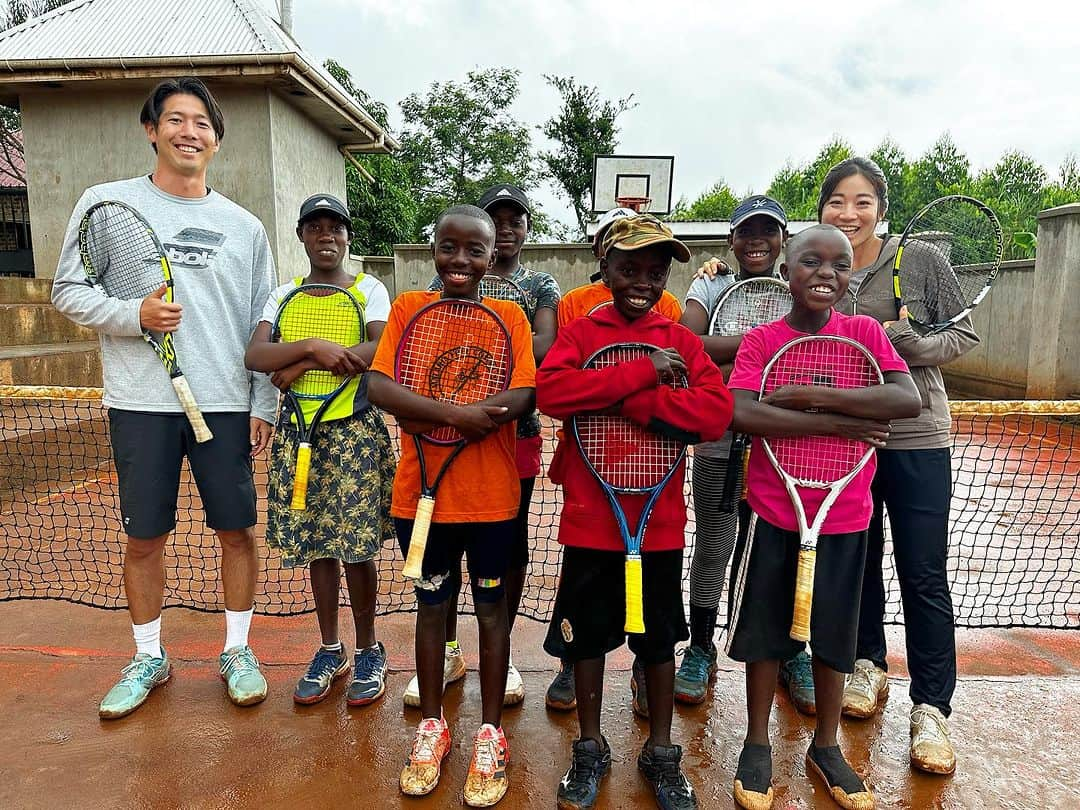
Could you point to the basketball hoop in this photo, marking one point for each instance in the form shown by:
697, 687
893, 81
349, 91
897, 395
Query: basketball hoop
635, 204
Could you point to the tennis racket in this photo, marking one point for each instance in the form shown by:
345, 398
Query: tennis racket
329, 313
504, 289
122, 255
600, 306
948, 258
741, 307
816, 463
627, 459
452, 350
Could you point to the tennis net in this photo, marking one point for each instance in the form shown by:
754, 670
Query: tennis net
1013, 556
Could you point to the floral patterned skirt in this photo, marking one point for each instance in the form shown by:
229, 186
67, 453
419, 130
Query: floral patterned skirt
349, 490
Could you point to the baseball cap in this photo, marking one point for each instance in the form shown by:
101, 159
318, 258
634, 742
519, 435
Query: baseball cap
318, 204
758, 204
640, 231
604, 223
505, 192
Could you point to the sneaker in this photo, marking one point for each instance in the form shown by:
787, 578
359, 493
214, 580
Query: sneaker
696, 670
240, 671
661, 767
369, 676
561, 695
797, 674
865, 690
136, 680
325, 668
931, 749
424, 765
753, 777
486, 782
843, 784
453, 670
590, 763
515, 689
639, 698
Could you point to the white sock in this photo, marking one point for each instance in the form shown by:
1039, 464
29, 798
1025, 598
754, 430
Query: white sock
237, 624
148, 638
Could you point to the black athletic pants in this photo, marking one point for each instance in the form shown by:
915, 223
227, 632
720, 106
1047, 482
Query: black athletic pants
914, 486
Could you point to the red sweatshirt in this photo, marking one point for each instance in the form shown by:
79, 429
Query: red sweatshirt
701, 412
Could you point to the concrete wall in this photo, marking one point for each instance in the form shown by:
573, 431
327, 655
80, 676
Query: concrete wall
272, 157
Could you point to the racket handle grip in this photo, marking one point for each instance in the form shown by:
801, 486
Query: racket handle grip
194, 415
300, 479
414, 562
635, 613
804, 595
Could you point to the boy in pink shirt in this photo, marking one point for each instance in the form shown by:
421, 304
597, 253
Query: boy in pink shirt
762, 592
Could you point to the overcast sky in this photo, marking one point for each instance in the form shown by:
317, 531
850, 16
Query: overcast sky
734, 91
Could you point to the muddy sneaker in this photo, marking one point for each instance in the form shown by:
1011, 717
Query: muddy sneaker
696, 670
486, 782
424, 765
240, 671
931, 749
325, 668
579, 788
843, 784
865, 690
639, 697
515, 689
660, 765
137, 679
453, 670
369, 676
797, 674
753, 777
560, 694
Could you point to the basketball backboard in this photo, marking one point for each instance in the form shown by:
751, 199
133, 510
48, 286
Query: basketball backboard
629, 176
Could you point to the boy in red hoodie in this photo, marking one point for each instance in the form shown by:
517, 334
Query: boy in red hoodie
589, 610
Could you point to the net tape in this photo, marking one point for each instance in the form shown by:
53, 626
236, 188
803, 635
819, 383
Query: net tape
1013, 555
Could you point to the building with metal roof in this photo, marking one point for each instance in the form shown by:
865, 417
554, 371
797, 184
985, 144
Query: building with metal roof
80, 73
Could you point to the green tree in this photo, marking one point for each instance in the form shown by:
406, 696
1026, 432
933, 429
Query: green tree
1014, 189
893, 162
718, 202
797, 187
460, 138
1066, 189
583, 128
943, 169
383, 208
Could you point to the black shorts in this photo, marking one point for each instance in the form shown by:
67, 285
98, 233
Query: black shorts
486, 547
148, 449
590, 606
761, 598
519, 550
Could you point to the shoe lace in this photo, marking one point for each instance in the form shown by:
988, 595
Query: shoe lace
240, 662
139, 669
861, 680
695, 663
930, 726
585, 763
424, 744
367, 661
322, 666
485, 752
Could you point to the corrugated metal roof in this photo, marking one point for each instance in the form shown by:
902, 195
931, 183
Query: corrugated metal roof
88, 29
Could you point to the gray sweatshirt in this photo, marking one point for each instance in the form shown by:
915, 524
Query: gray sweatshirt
223, 273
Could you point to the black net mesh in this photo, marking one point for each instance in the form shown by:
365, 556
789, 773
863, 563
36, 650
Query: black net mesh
1012, 560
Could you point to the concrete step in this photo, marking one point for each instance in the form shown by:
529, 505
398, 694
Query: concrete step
25, 290
29, 324
77, 363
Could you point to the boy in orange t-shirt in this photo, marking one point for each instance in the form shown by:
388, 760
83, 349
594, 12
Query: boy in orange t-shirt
475, 512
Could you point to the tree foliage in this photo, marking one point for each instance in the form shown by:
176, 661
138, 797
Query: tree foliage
718, 202
583, 128
460, 138
796, 187
383, 208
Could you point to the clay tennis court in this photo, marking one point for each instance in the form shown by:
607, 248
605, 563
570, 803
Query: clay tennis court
1014, 562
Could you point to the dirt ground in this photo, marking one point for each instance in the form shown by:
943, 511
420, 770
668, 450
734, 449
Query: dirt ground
1017, 712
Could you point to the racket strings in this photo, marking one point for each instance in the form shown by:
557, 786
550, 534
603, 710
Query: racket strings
456, 352
503, 289
625, 454
951, 253
330, 316
750, 306
818, 461
123, 254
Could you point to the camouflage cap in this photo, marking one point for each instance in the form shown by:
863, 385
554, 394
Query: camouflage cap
643, 230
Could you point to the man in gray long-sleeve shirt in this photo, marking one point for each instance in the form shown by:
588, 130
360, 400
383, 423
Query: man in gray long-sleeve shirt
223, 273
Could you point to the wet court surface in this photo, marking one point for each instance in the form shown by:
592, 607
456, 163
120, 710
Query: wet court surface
1016, 725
